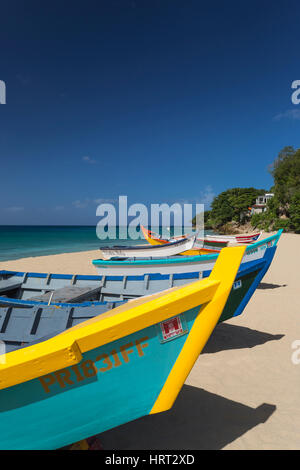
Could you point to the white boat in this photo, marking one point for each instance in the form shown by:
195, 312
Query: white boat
242, 238
149, 251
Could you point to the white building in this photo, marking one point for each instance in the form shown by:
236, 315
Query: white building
261, 203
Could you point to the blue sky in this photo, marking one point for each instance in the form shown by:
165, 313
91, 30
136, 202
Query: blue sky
159, 100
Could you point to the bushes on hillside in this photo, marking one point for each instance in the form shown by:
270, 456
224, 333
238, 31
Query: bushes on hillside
283, 210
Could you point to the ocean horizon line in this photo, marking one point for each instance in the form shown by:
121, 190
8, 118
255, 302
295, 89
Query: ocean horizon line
22, 241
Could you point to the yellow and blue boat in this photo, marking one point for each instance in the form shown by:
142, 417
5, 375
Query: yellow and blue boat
128, 362
202, 246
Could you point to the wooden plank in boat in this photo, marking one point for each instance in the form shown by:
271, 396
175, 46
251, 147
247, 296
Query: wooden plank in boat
20, 328
68, 294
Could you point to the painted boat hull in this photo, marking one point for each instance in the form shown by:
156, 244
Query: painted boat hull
141, 251
199, 251
236, 238
57, 415
113, 368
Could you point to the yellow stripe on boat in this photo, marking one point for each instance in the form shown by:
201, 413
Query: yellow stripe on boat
66, 348
198, 251
152, 241
225, 269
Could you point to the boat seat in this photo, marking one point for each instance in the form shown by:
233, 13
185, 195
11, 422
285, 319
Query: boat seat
9, 284
68, 294
20, 328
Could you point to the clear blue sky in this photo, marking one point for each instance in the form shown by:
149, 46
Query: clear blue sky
160, 100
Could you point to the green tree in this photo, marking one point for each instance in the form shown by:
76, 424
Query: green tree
283, 210
286, 174
295, 212
233, 204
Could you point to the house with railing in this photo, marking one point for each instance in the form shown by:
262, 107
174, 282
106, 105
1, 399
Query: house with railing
260, 204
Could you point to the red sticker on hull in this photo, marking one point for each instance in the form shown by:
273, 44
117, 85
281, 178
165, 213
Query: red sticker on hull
171, 328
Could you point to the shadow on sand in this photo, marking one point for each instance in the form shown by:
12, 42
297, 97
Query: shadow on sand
226, 336
198, 420
267, 285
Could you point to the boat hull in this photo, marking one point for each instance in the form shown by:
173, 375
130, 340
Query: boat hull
155, 251
235, 238
105, 389
113, 368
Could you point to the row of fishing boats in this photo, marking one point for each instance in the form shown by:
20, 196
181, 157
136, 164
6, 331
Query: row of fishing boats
86, 353
182, 245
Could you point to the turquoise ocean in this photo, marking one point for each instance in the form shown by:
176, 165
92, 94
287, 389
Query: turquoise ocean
18, 241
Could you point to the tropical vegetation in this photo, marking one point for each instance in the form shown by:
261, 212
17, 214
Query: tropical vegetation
283, 210
232, 207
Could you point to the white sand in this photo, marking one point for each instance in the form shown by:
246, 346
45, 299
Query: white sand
244, 390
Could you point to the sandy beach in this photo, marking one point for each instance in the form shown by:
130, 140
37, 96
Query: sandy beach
243, 392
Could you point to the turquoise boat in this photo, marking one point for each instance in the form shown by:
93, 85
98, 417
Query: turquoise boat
127, 362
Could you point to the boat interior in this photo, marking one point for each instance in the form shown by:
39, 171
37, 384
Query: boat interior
37, 306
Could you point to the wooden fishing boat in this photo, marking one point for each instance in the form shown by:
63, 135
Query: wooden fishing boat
154, 251
201, 246
120, 365
179, 264
209, 242
245, 238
